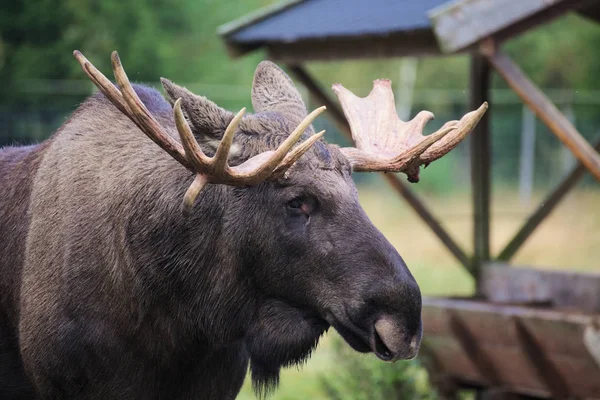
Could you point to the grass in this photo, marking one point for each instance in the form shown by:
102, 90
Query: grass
568, 238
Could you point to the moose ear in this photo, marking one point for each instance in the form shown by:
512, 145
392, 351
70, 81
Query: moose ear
273, 90
206, 119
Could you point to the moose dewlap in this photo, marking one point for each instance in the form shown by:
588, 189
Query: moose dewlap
166, 265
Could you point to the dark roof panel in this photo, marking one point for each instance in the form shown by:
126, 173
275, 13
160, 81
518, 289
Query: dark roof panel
339, 18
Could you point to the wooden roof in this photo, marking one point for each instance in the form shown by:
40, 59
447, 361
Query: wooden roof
335, 29
295, 31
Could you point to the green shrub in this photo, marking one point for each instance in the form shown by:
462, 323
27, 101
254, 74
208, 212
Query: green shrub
364, 377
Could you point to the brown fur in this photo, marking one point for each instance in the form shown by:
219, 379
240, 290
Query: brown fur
109, 292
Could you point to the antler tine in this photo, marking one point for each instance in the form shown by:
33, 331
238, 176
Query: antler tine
129, 104
405, 158
460, 130
219, 161
193, 152
102, 82
139, 113
192, 193
267, 168
295, 154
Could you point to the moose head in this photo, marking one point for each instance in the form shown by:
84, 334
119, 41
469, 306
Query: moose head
270, 246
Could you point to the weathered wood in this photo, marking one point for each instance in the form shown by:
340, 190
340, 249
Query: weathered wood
558, 334
560, 289
480, 163
340, 120
544, 209
459, 24
417, 43
543, 108
473, 351
538, 361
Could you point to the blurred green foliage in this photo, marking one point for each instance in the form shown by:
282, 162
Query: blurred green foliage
361, 377
154, 38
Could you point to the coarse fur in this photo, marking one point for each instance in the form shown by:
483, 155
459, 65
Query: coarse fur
108, 291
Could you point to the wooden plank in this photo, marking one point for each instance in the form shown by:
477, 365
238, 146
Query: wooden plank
402, 188
577, 290
543, 108
473, 351
544, 209
540, 362
515, 371
480, 163
508, 310
556, 336
459, 24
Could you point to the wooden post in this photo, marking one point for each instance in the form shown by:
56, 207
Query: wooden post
480, 164
543, 107
335, 111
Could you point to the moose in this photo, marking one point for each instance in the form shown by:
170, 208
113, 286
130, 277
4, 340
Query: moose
164, 266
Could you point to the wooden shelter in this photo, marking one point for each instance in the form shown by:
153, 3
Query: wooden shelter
527, 333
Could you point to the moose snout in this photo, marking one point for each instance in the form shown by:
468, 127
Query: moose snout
396, 323
391, 340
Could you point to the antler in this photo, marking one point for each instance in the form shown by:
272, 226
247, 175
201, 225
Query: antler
189, 154
386, 143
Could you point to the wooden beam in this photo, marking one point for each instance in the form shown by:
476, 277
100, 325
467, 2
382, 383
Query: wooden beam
340, 120
458, 24
544, 209
480, 163
540, 363
543, 107
534, 286
420, 42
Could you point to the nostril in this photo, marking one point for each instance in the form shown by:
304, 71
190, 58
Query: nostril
381, 349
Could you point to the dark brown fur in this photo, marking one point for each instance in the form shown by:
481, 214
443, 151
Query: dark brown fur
107, 291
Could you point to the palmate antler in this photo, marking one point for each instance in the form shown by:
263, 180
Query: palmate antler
208, 169
386, 143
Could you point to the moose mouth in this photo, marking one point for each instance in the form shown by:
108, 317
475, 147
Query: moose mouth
362, 341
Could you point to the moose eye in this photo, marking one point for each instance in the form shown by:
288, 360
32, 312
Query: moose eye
303, 204
296, 203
